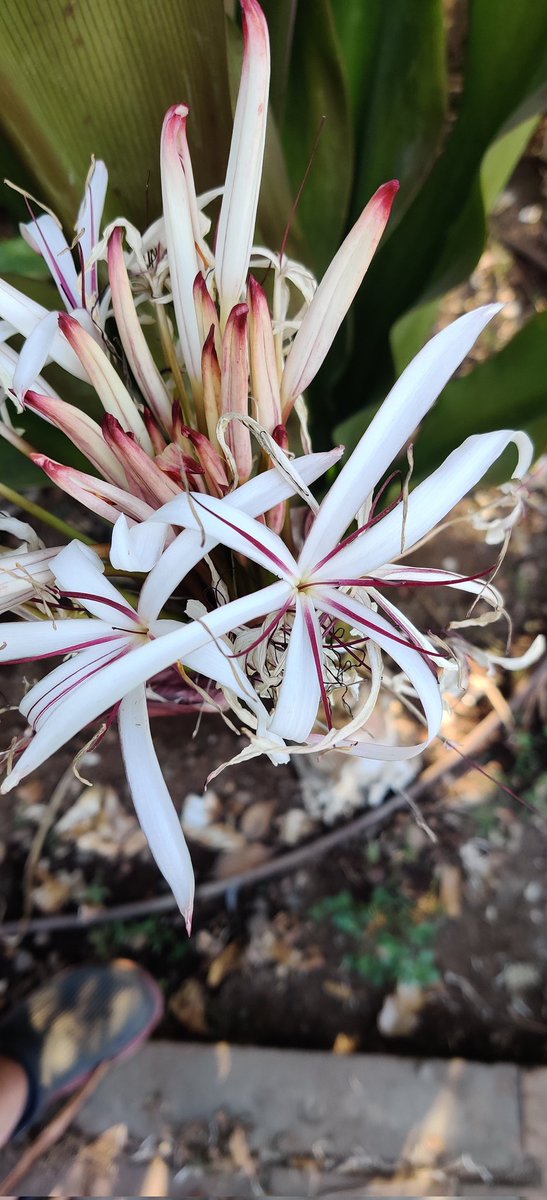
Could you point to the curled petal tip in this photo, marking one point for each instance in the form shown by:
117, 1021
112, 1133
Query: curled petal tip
188, 922
385, 196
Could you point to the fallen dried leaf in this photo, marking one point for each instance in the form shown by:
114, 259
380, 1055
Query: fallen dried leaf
341, 991
345, 1043
451, 889
240, 1151
257, 820
235, 862
188, 1006
54, 891
294, 826
227, 961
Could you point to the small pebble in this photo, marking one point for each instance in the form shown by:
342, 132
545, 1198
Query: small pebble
530, 214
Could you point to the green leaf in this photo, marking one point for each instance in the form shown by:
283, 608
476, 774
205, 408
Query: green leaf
316, 91
395, 60
84, 77
18, 258
506, 63
280, 15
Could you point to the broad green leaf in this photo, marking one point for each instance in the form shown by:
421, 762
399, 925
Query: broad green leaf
84, 77
464, 245
18, 258
280, 15
506, 63
316, 93
395, 58
411, 332
502, 157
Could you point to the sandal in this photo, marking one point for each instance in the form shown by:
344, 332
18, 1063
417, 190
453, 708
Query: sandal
82, 1017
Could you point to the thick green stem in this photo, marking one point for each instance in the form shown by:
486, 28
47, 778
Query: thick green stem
42, 514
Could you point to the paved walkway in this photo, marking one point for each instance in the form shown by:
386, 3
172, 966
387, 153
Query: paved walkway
219, 1121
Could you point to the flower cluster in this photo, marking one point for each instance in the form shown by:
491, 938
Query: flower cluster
285, 610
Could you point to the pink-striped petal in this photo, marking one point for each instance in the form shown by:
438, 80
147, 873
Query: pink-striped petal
177, 187
411, 397
334, 297
411, 662
46, 237
79, 574
101, 691
88, 226
240, 200
300, 694
147, 376
114, 397
235, 388
427, 505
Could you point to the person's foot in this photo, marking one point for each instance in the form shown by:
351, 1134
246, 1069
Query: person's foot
84, 1016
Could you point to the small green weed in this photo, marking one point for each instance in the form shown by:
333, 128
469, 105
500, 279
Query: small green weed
153, 934
396, 946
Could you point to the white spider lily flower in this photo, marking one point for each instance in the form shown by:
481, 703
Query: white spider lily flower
189, 547
78, 290
313, 592
109, 636
240, 199
44, 234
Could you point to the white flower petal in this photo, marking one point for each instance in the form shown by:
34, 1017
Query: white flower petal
411, 397
334, 296
253, 497
34, 354
88, 224
27, 641
427, 504
299, 695
98, 693
136, 546
22, 530
153, 804
47, 238
24, 314
216, 519
374, 626
79, 573
521, 662
179, 233
240, 200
